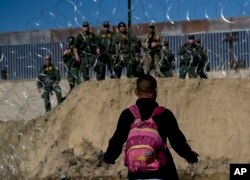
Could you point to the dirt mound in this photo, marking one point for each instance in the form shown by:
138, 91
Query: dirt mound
213, 115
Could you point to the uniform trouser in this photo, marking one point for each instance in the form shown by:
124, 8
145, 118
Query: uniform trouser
86, 62
123, 61
46, 96
200, 70
165, 69
190, 69
73, 76
104, 59
152, 60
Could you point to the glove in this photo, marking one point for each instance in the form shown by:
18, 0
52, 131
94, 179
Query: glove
192, 158
100, 156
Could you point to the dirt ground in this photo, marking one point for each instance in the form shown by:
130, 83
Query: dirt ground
213, 114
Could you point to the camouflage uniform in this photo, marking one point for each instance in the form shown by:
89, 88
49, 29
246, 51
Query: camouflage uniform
167, 61
152, 54
72, 66
122, 53
48, 79
85, 45
203, 64
106, 53
190, 57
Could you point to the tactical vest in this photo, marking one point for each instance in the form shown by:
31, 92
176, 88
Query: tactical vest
88, 43
106, 40
149, 38
122, 43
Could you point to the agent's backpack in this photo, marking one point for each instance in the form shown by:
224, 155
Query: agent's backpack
144, 147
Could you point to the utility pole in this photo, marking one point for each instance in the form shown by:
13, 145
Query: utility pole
129, 30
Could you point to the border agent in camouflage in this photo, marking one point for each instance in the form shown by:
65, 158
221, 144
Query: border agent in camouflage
106, 53
85, 47
48, 79
71, 65
122, 56
190, 57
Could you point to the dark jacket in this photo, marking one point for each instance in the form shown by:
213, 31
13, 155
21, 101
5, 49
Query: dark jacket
168, 128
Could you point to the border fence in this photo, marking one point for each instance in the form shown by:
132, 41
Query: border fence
225, 51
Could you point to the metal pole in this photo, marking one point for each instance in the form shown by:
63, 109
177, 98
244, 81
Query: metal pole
129, 30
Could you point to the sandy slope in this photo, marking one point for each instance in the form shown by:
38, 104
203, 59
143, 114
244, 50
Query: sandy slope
213, 114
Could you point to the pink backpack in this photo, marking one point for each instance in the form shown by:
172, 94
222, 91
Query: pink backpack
144, 147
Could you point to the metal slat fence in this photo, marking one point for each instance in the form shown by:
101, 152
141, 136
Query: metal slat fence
23, 62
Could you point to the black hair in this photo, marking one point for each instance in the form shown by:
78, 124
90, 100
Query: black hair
146, 84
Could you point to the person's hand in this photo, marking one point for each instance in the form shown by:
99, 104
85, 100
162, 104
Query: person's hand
153, 44
55, 84
192, 158
98, 51
100, 156
77, 58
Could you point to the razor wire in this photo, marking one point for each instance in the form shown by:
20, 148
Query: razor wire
19, 99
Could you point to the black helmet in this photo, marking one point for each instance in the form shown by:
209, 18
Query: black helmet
71, 39
121, 24
85, 24
105, 24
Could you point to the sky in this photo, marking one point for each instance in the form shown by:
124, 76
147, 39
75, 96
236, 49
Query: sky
22, 15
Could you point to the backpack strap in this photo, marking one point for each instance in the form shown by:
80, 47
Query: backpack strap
135, 111
158, 110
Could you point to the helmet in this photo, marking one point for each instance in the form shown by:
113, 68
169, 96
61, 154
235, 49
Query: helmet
71, 39
85, 24
105, 24
121, 24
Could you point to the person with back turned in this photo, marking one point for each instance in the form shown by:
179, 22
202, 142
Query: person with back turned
145, 127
